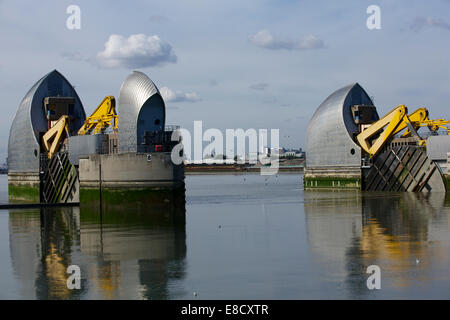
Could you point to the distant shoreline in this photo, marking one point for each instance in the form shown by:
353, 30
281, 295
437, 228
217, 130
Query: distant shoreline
192, 169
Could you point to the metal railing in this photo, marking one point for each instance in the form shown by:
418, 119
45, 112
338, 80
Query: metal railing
157, 141
171, 127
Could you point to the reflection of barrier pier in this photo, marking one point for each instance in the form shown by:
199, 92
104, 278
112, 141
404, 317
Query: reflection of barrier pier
141, 265
350, 231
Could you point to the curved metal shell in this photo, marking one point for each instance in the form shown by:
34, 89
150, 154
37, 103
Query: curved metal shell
141, 108
30, 121
329, 136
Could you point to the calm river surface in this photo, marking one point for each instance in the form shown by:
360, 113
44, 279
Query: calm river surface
238, 237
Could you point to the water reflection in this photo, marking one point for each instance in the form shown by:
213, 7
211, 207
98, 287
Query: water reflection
133, 251
403, 233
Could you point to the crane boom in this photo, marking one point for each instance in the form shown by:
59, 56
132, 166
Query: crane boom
101, 118
435, 125
55, 135
415, 118
390, 122
394, 122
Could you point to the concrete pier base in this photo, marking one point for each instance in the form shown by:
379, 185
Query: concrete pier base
24, 186
400, 168
332, 178
129, 177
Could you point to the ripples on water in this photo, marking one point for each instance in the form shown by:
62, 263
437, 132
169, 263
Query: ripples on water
237, 237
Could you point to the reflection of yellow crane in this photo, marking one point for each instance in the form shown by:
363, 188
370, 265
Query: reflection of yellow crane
378, 133
53, 138
101, 118
56, 274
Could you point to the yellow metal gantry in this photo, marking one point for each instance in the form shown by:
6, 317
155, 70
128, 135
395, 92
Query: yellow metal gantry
53, 138
97, 122
390, 123
101, 118
378, 133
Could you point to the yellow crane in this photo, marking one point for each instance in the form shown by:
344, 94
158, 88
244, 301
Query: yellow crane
101, 118
97, 122
434, 125
378, 133
415, 118
53, 138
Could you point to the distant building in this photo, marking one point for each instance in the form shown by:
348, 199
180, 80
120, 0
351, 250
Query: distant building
4, 168
292, 153
288, 154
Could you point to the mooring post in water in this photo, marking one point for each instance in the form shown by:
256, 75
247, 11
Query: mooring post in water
101, 208
100, 180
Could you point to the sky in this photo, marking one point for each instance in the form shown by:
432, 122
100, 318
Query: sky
232, 64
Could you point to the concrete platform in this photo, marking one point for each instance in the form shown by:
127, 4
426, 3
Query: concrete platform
24, 186
128, 176
333, 177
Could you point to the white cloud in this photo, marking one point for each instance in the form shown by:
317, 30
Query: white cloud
421, 22
170, 95
136, 51
158, 18
259, 86
73, 56
264, 39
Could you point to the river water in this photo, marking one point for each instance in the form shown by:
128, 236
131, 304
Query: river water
238, 237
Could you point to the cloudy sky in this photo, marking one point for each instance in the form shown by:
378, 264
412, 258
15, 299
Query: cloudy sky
233, 64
